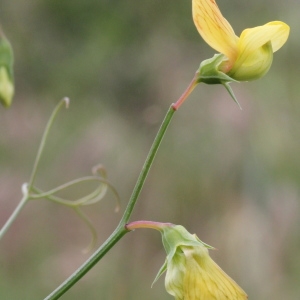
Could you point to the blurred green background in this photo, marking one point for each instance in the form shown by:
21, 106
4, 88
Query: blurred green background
230, 176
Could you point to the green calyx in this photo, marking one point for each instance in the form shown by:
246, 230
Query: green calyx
173, 238
176, 236
209, 73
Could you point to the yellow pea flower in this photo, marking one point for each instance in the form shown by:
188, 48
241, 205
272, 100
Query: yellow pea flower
191, 274
247, 57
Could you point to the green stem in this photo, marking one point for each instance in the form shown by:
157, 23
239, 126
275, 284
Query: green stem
13, 215
64, 101
120, 231
147, 165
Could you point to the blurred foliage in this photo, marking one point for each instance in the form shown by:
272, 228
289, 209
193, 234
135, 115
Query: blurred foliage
230, 176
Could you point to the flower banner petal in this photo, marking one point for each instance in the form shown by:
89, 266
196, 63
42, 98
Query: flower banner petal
214, 28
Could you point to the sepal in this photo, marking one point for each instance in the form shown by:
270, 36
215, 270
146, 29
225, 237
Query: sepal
209, 73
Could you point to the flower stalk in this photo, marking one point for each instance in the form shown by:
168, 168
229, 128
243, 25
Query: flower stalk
187, 92
147, 224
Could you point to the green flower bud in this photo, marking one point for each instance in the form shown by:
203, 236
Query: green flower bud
6, 72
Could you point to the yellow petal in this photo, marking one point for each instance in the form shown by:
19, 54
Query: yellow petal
206, 280
279, 39
255, 50
253, 38
254, 65
214, 28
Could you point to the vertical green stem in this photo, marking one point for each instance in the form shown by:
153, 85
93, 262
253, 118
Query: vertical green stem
120, 231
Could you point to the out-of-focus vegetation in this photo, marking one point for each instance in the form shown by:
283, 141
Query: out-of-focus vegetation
231, 176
